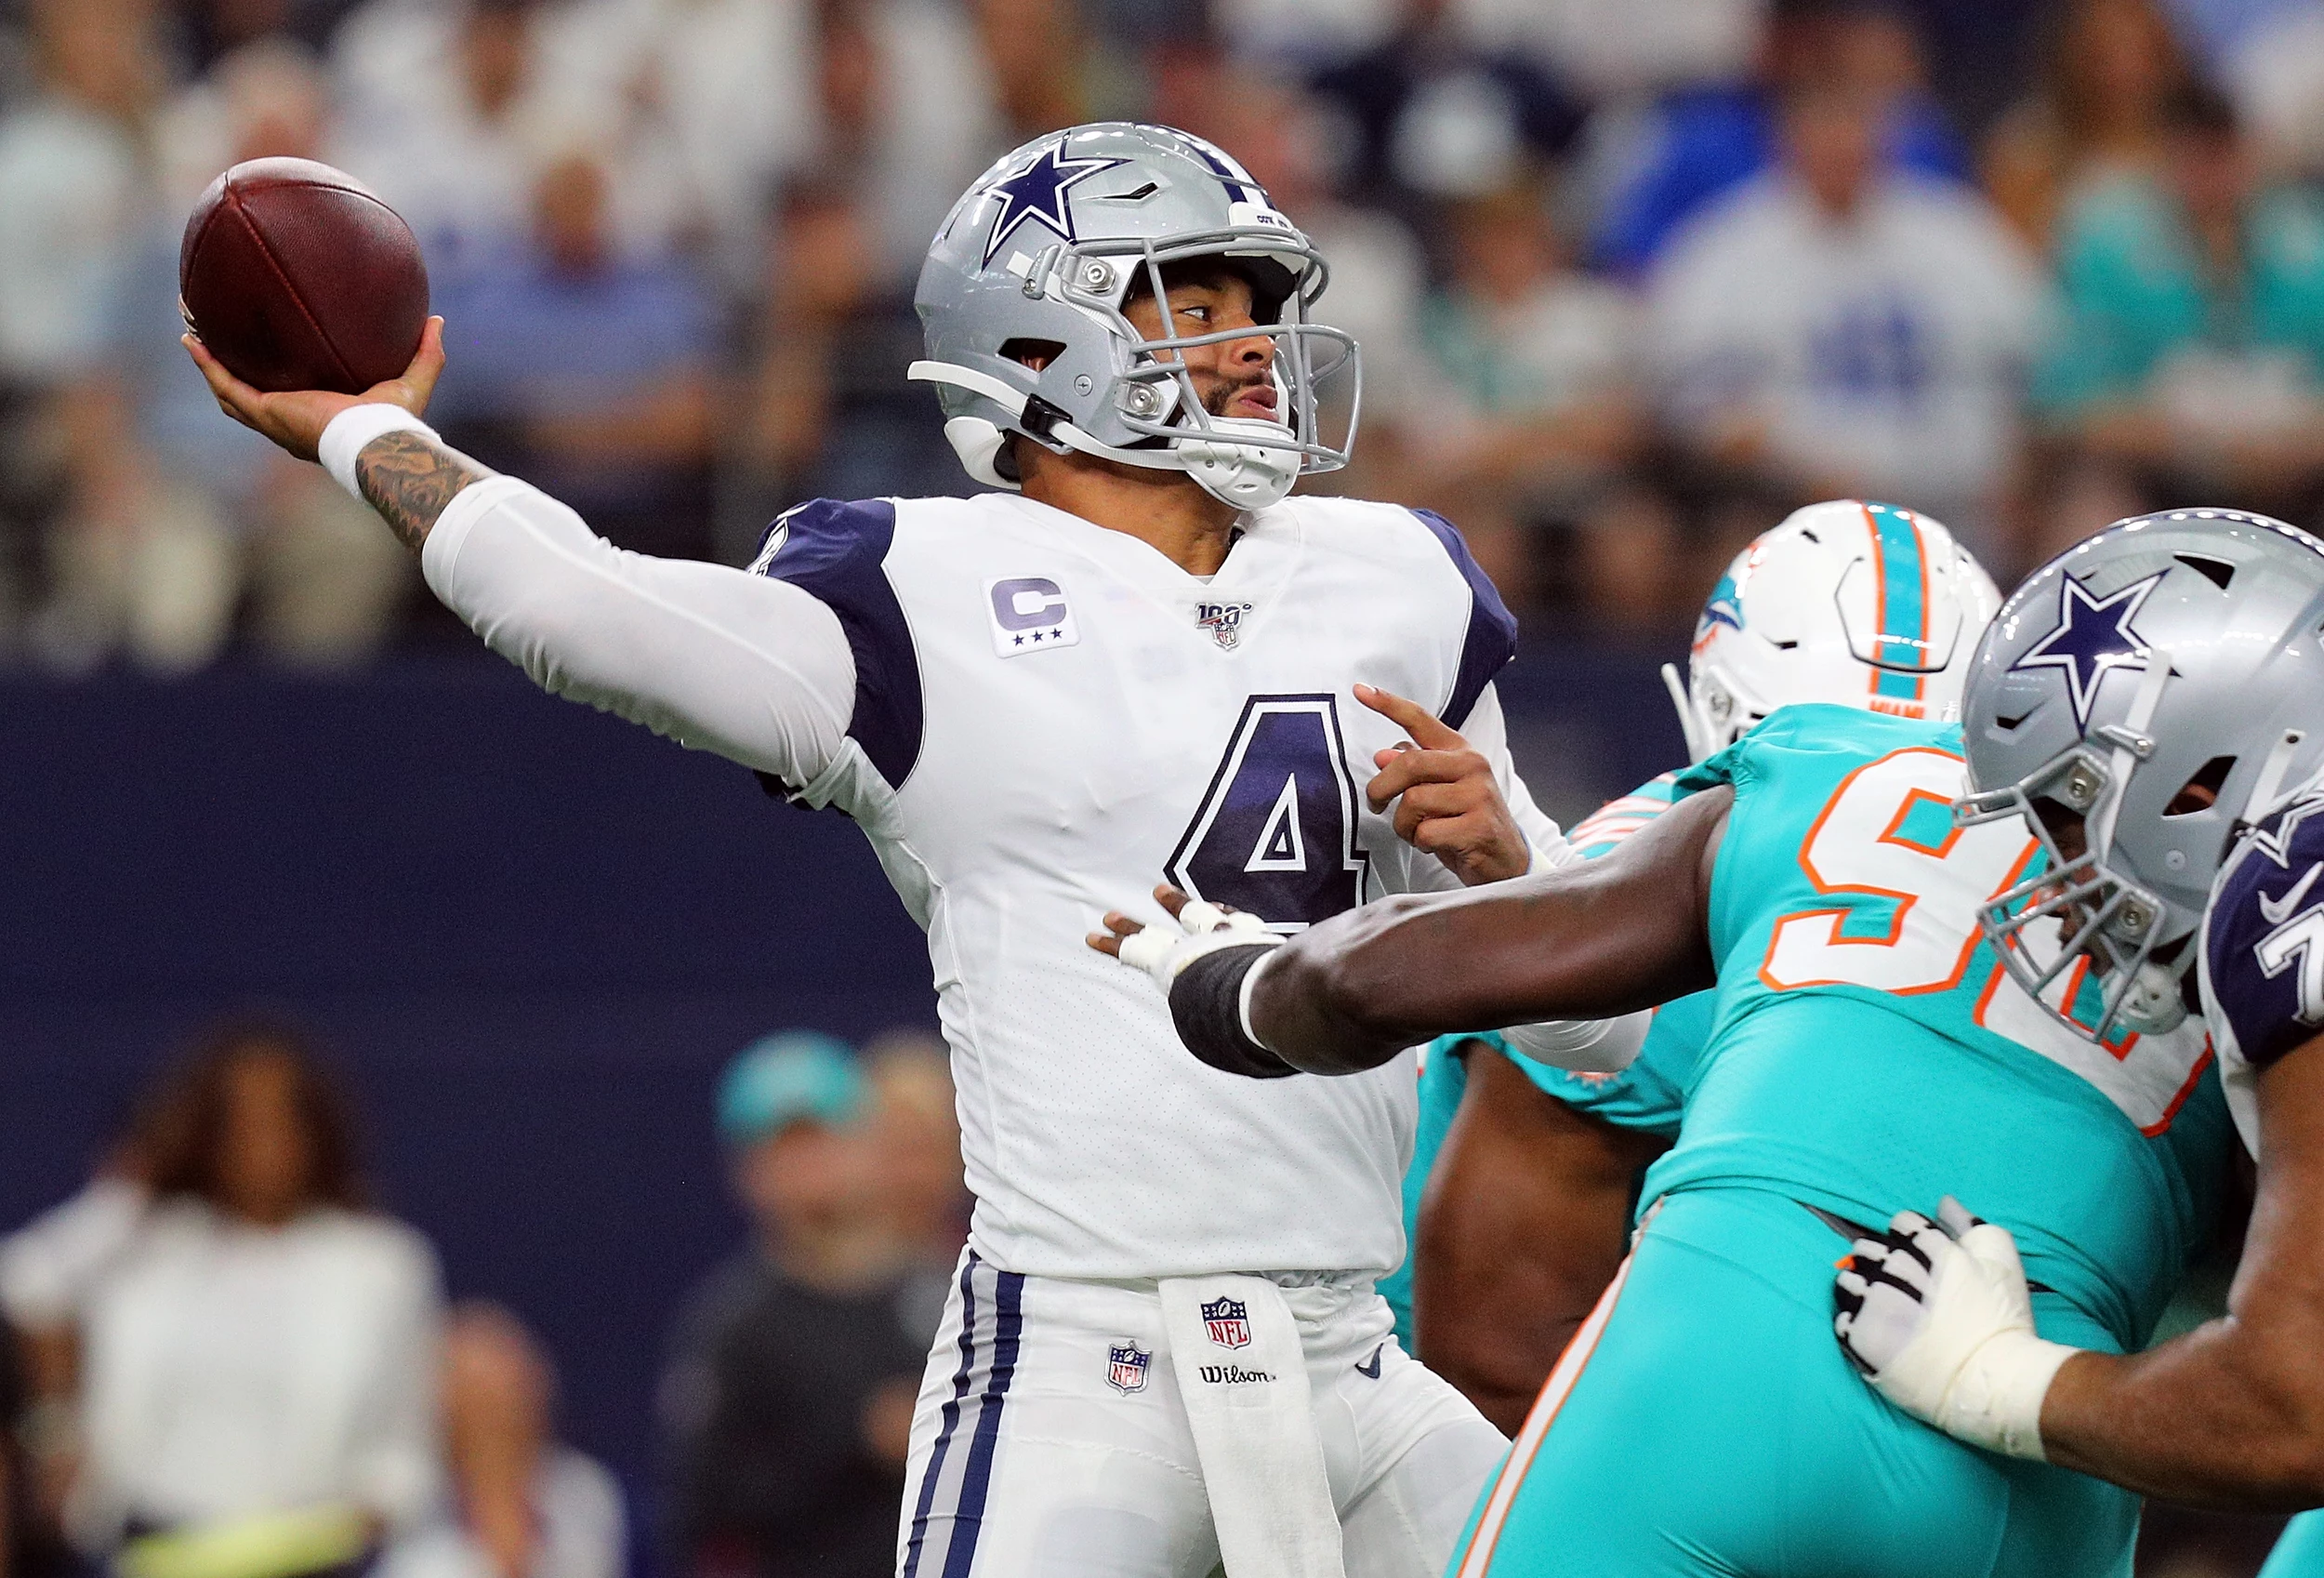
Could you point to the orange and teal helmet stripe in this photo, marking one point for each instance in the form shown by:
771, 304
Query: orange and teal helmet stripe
1900, 577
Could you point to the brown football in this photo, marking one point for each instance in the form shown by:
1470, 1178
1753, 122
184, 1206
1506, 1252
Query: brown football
296, 276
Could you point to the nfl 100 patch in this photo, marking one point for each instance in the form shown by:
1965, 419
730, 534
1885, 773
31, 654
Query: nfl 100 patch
1126, 1366
1223, 621
1228, 1320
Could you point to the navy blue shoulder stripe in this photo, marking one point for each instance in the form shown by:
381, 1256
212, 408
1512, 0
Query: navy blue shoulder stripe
1492, 638
837, 553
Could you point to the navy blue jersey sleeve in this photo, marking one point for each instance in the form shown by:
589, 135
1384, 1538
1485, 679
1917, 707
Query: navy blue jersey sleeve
1491, 641
837, 553
2264, 939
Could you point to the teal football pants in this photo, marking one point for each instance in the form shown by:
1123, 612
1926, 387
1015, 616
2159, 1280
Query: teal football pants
1703, 1422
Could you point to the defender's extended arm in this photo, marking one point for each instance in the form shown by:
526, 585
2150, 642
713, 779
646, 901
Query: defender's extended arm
1588, 941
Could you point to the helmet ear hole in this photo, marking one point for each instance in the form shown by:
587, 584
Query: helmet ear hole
1035, 353
2201, 791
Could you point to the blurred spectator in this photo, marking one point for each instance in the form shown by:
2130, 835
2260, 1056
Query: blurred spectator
911, 114
587, 370
788, 1402
916, 1131
2217, 29
30, 1543
451, 110
207, 31
1837, 329
1982, 57
2097, 111
198, 516
2191, 363
1537, 415
1433, 114
49, 1269
522, 1503
2275, 69
914, 107
712, 100
1701, 143
71, 192
1611, 50
257, 1365
1378, 274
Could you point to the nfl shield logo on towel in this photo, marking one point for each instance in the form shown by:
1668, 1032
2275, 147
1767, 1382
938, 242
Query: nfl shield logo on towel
1229, 1320
1126, 1367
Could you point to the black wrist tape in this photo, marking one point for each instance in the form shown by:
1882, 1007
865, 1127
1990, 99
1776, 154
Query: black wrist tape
1207, 1004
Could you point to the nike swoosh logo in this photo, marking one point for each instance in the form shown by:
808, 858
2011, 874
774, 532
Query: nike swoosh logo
2277, 910
1369, 1369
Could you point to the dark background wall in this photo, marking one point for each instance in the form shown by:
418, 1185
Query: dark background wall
530, 933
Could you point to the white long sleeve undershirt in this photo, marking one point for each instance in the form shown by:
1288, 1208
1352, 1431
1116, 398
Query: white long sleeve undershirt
716, 658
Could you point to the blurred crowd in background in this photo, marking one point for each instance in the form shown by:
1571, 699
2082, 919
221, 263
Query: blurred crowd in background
1631, 277
222, 1359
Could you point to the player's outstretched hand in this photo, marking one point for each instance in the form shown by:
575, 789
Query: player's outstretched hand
295, 418
1163, 951
1447, 801
1938, 1317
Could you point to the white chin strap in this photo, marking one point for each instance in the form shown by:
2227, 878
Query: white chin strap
1700, 747
1249, 476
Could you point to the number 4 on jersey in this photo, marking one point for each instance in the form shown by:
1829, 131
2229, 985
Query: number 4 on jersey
1275, 832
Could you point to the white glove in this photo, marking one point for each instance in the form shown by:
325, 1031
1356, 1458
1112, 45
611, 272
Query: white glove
1940, 1321
1165, 950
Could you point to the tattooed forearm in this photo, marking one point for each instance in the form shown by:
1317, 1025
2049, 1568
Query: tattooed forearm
409, 478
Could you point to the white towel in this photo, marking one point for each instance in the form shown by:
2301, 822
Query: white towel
1244, 1375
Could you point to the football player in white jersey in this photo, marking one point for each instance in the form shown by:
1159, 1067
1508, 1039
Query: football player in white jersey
1145, 663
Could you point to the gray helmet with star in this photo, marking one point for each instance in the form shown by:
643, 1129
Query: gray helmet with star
2171, 652
1039, 256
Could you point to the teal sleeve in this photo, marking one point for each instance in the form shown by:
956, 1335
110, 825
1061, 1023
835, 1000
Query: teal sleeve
1650, 1094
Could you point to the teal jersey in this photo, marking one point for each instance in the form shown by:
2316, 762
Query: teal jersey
1648, 1095
1868, 1055
2139, 292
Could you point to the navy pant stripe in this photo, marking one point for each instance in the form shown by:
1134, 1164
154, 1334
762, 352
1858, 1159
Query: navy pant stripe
976, 1479
952, 1416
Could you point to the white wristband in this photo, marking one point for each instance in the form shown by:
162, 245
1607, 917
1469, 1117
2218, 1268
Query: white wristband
1995, 1399
355, 427
1242, 999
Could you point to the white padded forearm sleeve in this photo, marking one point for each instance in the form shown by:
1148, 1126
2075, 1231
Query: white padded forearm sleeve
1585, 1046
719, 660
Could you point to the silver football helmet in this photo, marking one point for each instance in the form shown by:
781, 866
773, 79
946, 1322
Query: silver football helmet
2176, 652
1041, 255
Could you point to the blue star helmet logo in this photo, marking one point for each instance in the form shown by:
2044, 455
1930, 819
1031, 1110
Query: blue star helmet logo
2093, 638
1039, 192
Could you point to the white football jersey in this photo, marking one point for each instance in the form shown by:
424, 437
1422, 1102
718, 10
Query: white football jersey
1036, 719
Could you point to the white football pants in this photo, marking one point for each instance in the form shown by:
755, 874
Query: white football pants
1050, 1440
